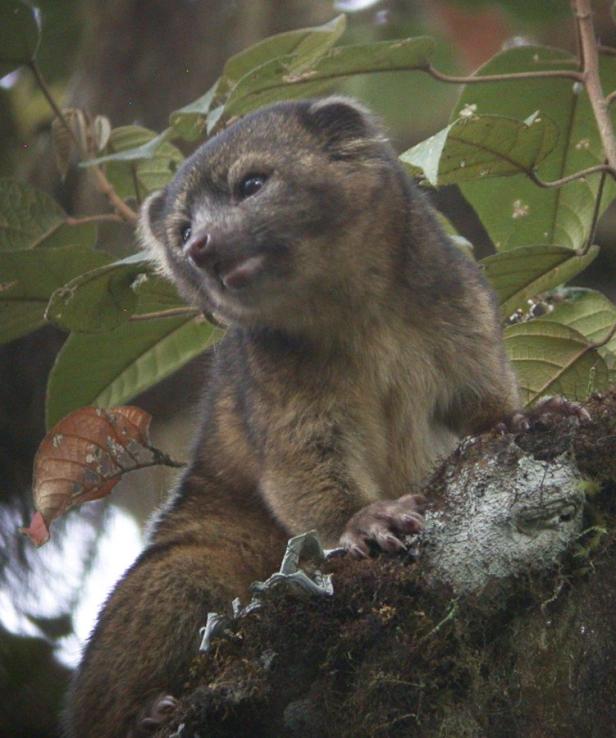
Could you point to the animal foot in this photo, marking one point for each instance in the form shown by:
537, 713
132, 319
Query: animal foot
543, 413
381, 523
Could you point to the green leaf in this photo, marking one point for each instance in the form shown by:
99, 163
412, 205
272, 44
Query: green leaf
521, 274
20, 35
588, 312
481, 146
291, 77
515, 211
550, 358
111, 368
28, 280
189, 122
98, 300
150, 174
30, 219
142, 151
305, 43
156, 293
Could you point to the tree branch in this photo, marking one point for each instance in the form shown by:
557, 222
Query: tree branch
590, 57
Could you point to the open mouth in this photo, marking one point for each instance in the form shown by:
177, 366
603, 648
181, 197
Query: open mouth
241, 273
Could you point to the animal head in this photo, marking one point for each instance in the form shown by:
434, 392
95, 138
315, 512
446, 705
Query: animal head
274, 217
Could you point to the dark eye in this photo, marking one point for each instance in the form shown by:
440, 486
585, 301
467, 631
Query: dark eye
185, 233
251, 184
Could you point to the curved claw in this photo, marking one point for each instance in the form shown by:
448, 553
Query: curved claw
544, 411
382, 523
162, 706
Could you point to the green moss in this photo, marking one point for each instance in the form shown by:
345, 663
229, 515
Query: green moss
391, 655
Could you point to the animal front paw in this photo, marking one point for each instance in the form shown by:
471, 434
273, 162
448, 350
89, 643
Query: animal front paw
382, 523
543, 413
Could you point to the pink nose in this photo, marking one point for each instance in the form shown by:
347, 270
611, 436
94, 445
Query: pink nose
197, 250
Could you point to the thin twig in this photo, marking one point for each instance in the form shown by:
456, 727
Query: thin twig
163, 459
547, 74
170, 313
52, 103
583, 14
453, 611
102, 217
607, 50
133, 171
611, 97
582, 174
596, 213
105, 186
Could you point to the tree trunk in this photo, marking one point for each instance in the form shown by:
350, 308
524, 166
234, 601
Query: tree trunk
498, 623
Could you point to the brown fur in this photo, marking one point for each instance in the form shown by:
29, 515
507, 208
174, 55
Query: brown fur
363, 348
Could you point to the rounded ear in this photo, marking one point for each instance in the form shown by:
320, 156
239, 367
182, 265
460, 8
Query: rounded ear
150, 229
346, 126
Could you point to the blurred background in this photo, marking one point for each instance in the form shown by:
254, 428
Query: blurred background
135, 61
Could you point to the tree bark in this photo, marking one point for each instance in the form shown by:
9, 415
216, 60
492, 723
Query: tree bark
507, 632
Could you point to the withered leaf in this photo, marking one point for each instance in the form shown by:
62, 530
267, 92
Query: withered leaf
83, 457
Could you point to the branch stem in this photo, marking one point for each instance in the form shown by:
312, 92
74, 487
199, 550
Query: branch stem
582, 10
105, 186
547, 74
40, 80
604, 168
101, 218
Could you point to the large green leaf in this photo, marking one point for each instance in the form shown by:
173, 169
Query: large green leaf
98, 300
305, 44
30, 219
588, 312
111, 368
521, 274
515, 211
20, 35
146, 174
481, 146
550, 358
30, 277
291, 77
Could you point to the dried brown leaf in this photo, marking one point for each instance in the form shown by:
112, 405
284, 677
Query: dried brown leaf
83, 457
64, 143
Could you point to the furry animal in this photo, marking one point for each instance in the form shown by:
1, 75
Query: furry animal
361, 345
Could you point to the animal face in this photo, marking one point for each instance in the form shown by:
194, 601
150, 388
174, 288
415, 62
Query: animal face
262, 222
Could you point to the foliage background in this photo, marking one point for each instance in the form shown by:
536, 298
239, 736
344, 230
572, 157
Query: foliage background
134, 62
